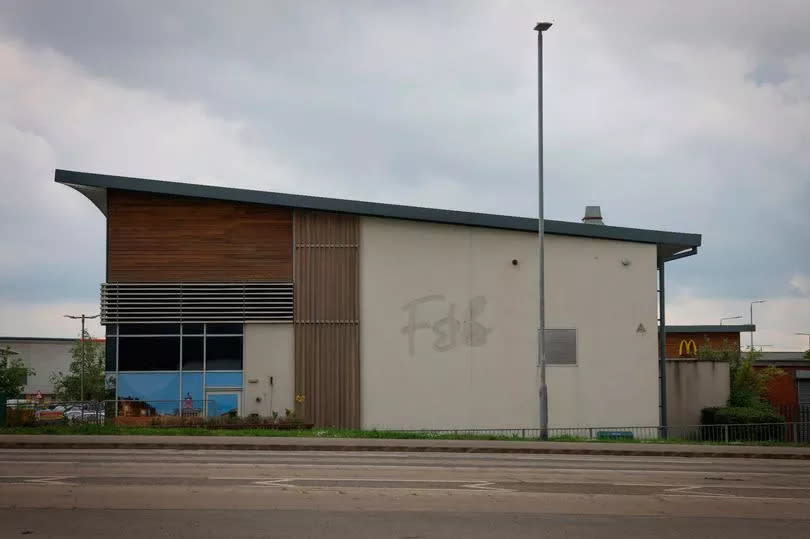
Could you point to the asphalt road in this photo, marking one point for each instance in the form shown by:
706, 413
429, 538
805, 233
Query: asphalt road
166, 493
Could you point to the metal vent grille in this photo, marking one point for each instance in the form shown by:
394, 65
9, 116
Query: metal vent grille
196, 302
561, 346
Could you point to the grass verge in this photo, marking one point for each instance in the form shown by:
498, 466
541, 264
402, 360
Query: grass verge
332, 433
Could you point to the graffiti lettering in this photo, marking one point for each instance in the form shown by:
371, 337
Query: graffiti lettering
448, 330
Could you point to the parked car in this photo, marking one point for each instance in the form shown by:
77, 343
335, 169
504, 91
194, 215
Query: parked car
53, 412
85, 414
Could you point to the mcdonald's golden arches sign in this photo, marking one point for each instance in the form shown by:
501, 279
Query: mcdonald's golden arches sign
687, 348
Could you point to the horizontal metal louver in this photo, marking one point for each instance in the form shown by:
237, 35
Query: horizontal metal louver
196, 302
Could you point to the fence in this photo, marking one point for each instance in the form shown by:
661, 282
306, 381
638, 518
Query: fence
200, 412
794, 413
788, 432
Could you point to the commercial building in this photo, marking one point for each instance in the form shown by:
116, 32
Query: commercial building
685, 341
45, 356
790, 392
696, 381
359, 314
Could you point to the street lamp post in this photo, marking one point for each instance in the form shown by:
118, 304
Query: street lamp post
752, 320
729, 318
83, 317
541, 27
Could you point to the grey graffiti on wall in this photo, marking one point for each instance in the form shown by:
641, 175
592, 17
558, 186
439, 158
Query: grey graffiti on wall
449, 331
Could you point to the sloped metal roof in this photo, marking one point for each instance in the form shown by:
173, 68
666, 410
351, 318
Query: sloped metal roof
94, 187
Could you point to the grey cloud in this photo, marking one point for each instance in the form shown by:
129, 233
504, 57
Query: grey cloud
434, 103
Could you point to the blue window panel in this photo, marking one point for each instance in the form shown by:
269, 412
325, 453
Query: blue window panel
223, 379
193, 403
222, 404
151, 393
110, 385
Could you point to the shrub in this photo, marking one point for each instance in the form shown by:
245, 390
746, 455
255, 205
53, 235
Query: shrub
708, 415
743, 416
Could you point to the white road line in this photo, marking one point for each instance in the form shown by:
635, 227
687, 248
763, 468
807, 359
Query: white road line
41, 480
462, 485
38, 462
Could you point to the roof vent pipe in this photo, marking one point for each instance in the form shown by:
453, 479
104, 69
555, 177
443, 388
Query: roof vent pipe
593, 215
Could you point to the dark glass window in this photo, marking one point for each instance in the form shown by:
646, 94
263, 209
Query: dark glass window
109, 354
150, 329
223, 353
112, 329
149, 353
223, 329
192, 329
193, 353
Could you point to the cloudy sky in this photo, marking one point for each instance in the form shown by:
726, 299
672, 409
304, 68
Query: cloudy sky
684, 116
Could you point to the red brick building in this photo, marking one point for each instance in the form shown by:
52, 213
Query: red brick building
685, 341
789, 393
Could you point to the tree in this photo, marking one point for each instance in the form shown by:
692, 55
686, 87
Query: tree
90, 365
807, 354
749, 386
13, 374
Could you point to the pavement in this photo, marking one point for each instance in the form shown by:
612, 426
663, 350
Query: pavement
125, 493
269, 443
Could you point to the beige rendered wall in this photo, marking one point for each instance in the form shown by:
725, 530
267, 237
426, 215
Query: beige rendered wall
448, 328
45, 357
692, 385
269, 352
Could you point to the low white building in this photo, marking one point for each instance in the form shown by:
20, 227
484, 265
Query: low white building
44, 355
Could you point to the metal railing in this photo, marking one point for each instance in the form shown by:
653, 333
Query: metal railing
122, 411
67, 412
200, 412
794, 413
788, 432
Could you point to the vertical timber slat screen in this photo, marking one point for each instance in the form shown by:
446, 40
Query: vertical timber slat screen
327, 318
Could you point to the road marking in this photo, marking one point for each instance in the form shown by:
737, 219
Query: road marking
39, 462
40, 479
475, 486
734, 497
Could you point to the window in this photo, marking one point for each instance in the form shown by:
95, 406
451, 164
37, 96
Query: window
148, 353
223, 329
193, 353
223, 379
223, 353
149, 393
195, 329
193, 403
561, 347
191, 356
109, 354
157, 347
150, 329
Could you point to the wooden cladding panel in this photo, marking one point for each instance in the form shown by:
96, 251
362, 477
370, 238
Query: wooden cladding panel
158, 238
327, 373
327, 328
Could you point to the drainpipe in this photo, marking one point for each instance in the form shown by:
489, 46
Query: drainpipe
662, 345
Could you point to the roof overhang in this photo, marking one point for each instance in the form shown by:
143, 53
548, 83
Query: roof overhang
94, 186
731, 328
